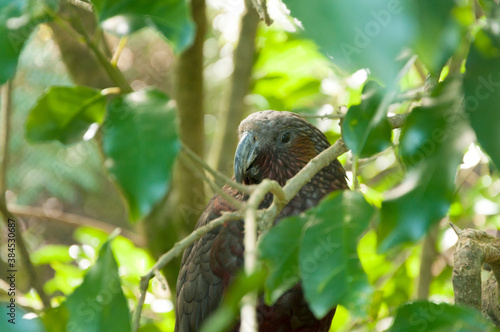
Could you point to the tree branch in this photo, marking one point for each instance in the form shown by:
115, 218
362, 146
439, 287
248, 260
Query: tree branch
73, 220
5, 110
261, 7
473, 249
82, 5
426, 259
217, 175
249, 301
78, 30
237, 204
231, 114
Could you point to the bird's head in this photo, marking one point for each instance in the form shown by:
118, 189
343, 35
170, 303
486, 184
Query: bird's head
275, 145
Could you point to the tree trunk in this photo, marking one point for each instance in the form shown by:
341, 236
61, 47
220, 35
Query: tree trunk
176, 216
226, 138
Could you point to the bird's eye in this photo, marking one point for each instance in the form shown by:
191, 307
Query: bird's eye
285, 138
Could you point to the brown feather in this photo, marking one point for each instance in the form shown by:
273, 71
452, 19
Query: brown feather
210, 264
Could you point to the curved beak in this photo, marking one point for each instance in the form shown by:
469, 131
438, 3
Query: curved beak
246, 152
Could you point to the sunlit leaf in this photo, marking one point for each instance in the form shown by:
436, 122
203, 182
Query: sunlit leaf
431, 146
366, 130
357, 34
50, 253
67, 277
140, 142
432, 317
330, 270
134, 262
170, 17
482, 92
18, 18
65, 114
98, 304
279, 248
91, 236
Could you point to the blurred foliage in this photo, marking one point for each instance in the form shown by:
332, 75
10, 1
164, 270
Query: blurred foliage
431, 317
431, 147
17, 20
65, 114
170, 18
427, 173
140, 140
366, 130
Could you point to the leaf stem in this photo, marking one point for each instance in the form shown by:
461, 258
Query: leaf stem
118, 51
355, 164
79, 33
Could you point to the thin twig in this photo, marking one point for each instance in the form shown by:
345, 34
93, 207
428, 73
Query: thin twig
72, 219
78, 31
420, 70
355, 169
217, 175
324, 116
457, 229
398, 120
5, 110
237, 204
82, 5
176, 250
261, 8
339, 113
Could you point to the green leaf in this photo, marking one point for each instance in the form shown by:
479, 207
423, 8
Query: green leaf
56, 318
366, 130
50, 253
482, 92
140, 142
98, 304
279, 248
431, 146
170, 17
432, 317
65, 114
18, 18
330, 269
357, 34
438, 34
13, 319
